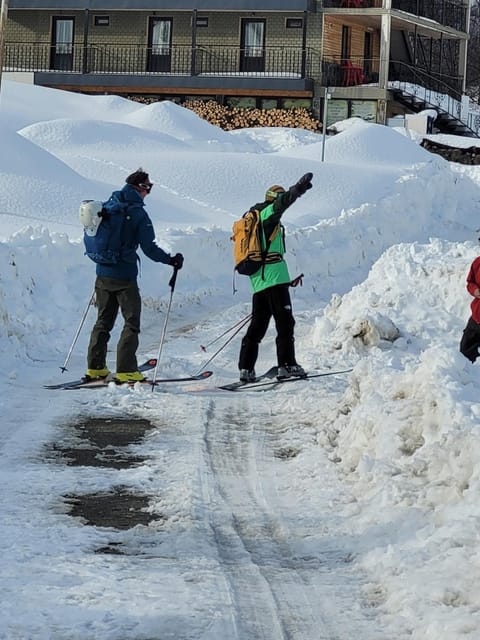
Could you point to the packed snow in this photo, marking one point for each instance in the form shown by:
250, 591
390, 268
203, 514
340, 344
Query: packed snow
343, 507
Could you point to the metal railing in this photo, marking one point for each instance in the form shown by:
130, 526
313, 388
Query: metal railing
348, 73
449, 13
473, 121
430, 85
433, 91
440, 92
277, 61
352, 4
288, 62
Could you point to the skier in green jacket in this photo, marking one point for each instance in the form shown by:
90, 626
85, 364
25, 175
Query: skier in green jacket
270, 286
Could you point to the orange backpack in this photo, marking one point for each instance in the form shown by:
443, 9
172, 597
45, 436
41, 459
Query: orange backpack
248, 255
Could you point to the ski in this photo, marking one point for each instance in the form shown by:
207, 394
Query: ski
100, 384
273, 381
72, 384
233, 386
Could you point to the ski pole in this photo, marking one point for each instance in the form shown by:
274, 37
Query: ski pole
90, 302
171, 284
245, 321
297, 281
242, 322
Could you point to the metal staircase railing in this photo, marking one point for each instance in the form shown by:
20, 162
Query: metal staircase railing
433, 92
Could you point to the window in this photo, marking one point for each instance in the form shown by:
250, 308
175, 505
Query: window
296, 103
268, 103
161, 37
241, 103
346, 42
101, 21
367, 54
202, 21
63, 38
294, 23
254, 36
61, 49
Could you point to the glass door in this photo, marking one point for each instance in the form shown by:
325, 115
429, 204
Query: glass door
61, 49
159, 54
252, 45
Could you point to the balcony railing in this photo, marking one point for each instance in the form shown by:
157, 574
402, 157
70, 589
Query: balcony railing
352, 4
289, 62
349, 73
430, 83
449, 13
365, 71
443, 94
274, 62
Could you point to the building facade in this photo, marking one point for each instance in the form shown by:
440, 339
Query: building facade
365, 56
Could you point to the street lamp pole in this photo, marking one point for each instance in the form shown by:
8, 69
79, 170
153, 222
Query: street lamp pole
326, 97
3, 25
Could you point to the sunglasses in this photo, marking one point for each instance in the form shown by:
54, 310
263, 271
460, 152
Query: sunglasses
146, 186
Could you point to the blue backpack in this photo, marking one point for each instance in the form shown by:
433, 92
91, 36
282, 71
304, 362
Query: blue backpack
102, 233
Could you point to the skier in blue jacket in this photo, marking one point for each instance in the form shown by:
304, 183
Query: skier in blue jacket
116, 285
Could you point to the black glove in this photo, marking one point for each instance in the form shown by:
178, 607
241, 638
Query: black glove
303, 185
176, 261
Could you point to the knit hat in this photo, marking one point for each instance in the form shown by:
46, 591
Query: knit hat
272, 192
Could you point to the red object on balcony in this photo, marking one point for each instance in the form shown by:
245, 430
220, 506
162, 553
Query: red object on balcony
351, 4
352, 75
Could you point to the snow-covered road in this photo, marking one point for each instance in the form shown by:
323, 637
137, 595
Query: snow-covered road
229, 552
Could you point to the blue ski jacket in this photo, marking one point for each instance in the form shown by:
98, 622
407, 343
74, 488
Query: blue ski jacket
137, 232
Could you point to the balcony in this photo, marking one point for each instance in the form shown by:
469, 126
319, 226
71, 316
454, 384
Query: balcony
358, 71
99, 68
109, 66
164, 5
449, 13
175, 60
350, 73
352, 4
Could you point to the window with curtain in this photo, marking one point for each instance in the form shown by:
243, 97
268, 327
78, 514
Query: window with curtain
161, 37
64, 36
254, 39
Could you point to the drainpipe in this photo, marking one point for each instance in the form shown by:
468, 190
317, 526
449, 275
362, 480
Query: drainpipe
440, 61
3, 26
193, 59
86, 18
463, 52
304, 46
415, 43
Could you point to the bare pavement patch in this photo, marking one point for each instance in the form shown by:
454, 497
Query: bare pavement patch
106, 443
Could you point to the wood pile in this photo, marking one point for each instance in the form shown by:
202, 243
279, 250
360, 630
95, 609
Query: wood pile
229, 118
462, 155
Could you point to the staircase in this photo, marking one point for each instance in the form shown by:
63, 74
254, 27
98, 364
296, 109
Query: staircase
416, 89
445, 121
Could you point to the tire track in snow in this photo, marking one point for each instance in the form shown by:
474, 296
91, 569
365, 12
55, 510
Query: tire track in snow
272, 590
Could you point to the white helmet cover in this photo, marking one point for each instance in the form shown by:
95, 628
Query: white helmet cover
90, 215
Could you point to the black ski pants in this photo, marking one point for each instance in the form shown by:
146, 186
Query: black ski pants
111, 295
274, 301
470, 341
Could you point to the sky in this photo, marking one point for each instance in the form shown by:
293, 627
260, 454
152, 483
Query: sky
341, 508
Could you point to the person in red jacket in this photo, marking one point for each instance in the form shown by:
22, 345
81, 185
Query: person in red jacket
471, 334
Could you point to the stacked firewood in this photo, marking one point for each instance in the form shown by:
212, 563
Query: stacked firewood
229, 118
